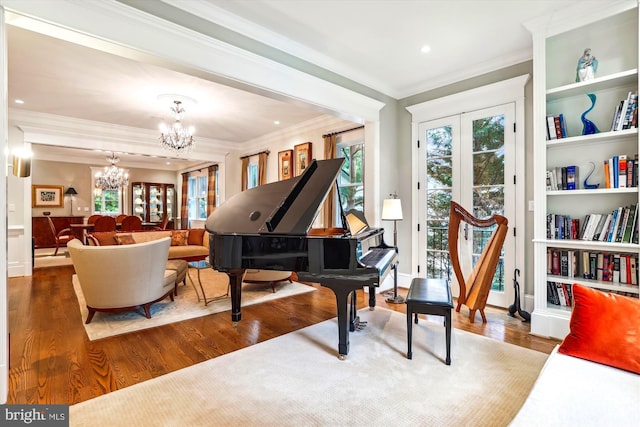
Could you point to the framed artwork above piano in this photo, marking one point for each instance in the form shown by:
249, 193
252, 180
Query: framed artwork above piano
285, 164
302, 157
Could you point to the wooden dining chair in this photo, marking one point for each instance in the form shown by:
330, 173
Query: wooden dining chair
62, 237
131, 223
163, 225
474, 289
92, 219
120, 217
105, 223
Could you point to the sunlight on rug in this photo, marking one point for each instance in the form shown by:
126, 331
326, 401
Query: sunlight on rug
45, 258
297, 380
185, 306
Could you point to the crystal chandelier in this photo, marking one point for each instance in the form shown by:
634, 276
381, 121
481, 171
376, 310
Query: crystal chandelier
113, 178
177, 137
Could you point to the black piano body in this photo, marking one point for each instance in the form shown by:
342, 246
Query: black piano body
269, 228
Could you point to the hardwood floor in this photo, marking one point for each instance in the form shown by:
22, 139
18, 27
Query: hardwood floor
53, 361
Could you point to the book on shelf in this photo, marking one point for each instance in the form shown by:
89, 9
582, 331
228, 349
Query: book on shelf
556, 127
604, 266
550, 180
572, 177
586, 265
563, 178
624, 218
592, 225
607, 176
605, 227
562, 227
616, 268
559, 294
599, 266
615, 220
622, 171
630, 218
569, 293
626, 113
561, 297
618, 226
552, 293
555, 263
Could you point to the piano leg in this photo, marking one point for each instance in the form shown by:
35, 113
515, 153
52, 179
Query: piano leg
342, 301
235, 283
372, 297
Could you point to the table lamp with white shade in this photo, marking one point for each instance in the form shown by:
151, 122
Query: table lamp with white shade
392, 211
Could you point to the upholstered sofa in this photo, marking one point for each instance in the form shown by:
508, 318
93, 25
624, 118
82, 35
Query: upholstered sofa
593, 377
189, 245
118, 278
575, 392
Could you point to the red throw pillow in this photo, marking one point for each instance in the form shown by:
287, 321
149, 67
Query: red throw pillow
125, 239
195, 236
105, 238
605, 328
178, 238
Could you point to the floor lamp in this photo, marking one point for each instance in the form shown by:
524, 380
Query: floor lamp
392, 211
71, 192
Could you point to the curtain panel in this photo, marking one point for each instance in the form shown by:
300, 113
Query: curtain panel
211, 189
329, 207
262, 168
184, 210
243, 168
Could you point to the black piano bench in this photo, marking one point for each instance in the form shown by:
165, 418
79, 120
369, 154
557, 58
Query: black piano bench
429, 296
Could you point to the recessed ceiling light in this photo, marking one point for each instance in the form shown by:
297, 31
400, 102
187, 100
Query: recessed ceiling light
425, 49
19, 101
168, 163
276, 122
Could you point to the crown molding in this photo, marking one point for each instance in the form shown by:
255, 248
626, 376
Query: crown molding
50, 129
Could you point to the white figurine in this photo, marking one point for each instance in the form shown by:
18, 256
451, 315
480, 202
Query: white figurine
587, 66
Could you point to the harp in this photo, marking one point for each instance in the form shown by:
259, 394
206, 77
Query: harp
474, 290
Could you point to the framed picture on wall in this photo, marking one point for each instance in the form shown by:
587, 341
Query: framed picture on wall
47, 196
285, 164
303, 155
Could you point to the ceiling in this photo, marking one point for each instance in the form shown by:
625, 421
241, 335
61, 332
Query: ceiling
373, 42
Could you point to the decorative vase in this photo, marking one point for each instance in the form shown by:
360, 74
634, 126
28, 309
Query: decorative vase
588, 127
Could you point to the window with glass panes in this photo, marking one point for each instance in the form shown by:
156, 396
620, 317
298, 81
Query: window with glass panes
350, 147
252, 175
107, 202
197, 195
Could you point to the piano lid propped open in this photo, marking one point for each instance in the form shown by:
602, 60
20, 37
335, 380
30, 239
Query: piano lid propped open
283, 207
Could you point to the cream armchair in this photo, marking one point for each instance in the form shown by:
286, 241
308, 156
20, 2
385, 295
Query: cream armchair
123, 277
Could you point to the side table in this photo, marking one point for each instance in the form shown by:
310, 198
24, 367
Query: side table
201, 265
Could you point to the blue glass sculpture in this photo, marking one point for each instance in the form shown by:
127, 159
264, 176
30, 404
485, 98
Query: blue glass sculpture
588, 127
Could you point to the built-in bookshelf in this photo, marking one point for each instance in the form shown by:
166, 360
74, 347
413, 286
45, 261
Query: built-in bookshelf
584, 232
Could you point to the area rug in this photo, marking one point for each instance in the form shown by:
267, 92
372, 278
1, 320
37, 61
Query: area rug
185, 305
45, 258
297, 380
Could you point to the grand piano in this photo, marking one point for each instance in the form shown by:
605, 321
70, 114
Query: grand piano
269, 227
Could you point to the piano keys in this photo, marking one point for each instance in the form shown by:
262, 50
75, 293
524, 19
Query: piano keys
269, 228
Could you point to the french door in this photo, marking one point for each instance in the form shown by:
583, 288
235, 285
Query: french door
468, 158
